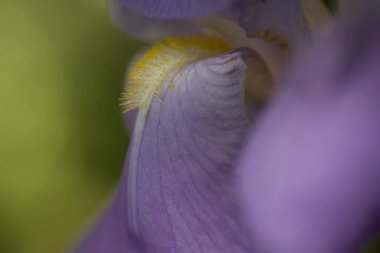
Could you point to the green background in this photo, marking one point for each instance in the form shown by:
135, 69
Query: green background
62, 138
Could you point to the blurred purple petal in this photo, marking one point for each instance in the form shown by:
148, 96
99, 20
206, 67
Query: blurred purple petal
170, 9
281, 17
310, 174
141, 27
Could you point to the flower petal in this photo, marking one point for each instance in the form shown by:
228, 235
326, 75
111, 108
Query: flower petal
130, 120
284, 18
310, 175
177, 194
138, 26
111, 234
181, 195
169, 9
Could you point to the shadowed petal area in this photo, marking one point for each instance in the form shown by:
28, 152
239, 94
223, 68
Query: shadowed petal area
130, 119
138, 26
310, 175
181, 195
283, 18
169, 9
111, 234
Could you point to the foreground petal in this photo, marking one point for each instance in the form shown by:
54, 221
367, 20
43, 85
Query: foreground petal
267, 18
311, 173
169, 9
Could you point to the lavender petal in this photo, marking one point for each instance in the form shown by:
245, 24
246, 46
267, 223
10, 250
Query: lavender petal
310, 174
170, 9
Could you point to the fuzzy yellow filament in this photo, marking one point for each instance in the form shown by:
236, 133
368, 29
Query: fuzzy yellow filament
157, 67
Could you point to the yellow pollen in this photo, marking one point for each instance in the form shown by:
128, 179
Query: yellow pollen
160, 63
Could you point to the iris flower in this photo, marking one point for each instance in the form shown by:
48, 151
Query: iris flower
256, 131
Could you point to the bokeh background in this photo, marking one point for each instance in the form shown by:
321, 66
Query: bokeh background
62, 138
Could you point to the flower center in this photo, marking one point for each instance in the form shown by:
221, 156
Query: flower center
156, 69
272, 37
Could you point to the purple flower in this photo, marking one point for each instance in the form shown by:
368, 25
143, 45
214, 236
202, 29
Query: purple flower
210, 169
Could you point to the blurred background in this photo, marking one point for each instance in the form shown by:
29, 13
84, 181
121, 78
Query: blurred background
62, 139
